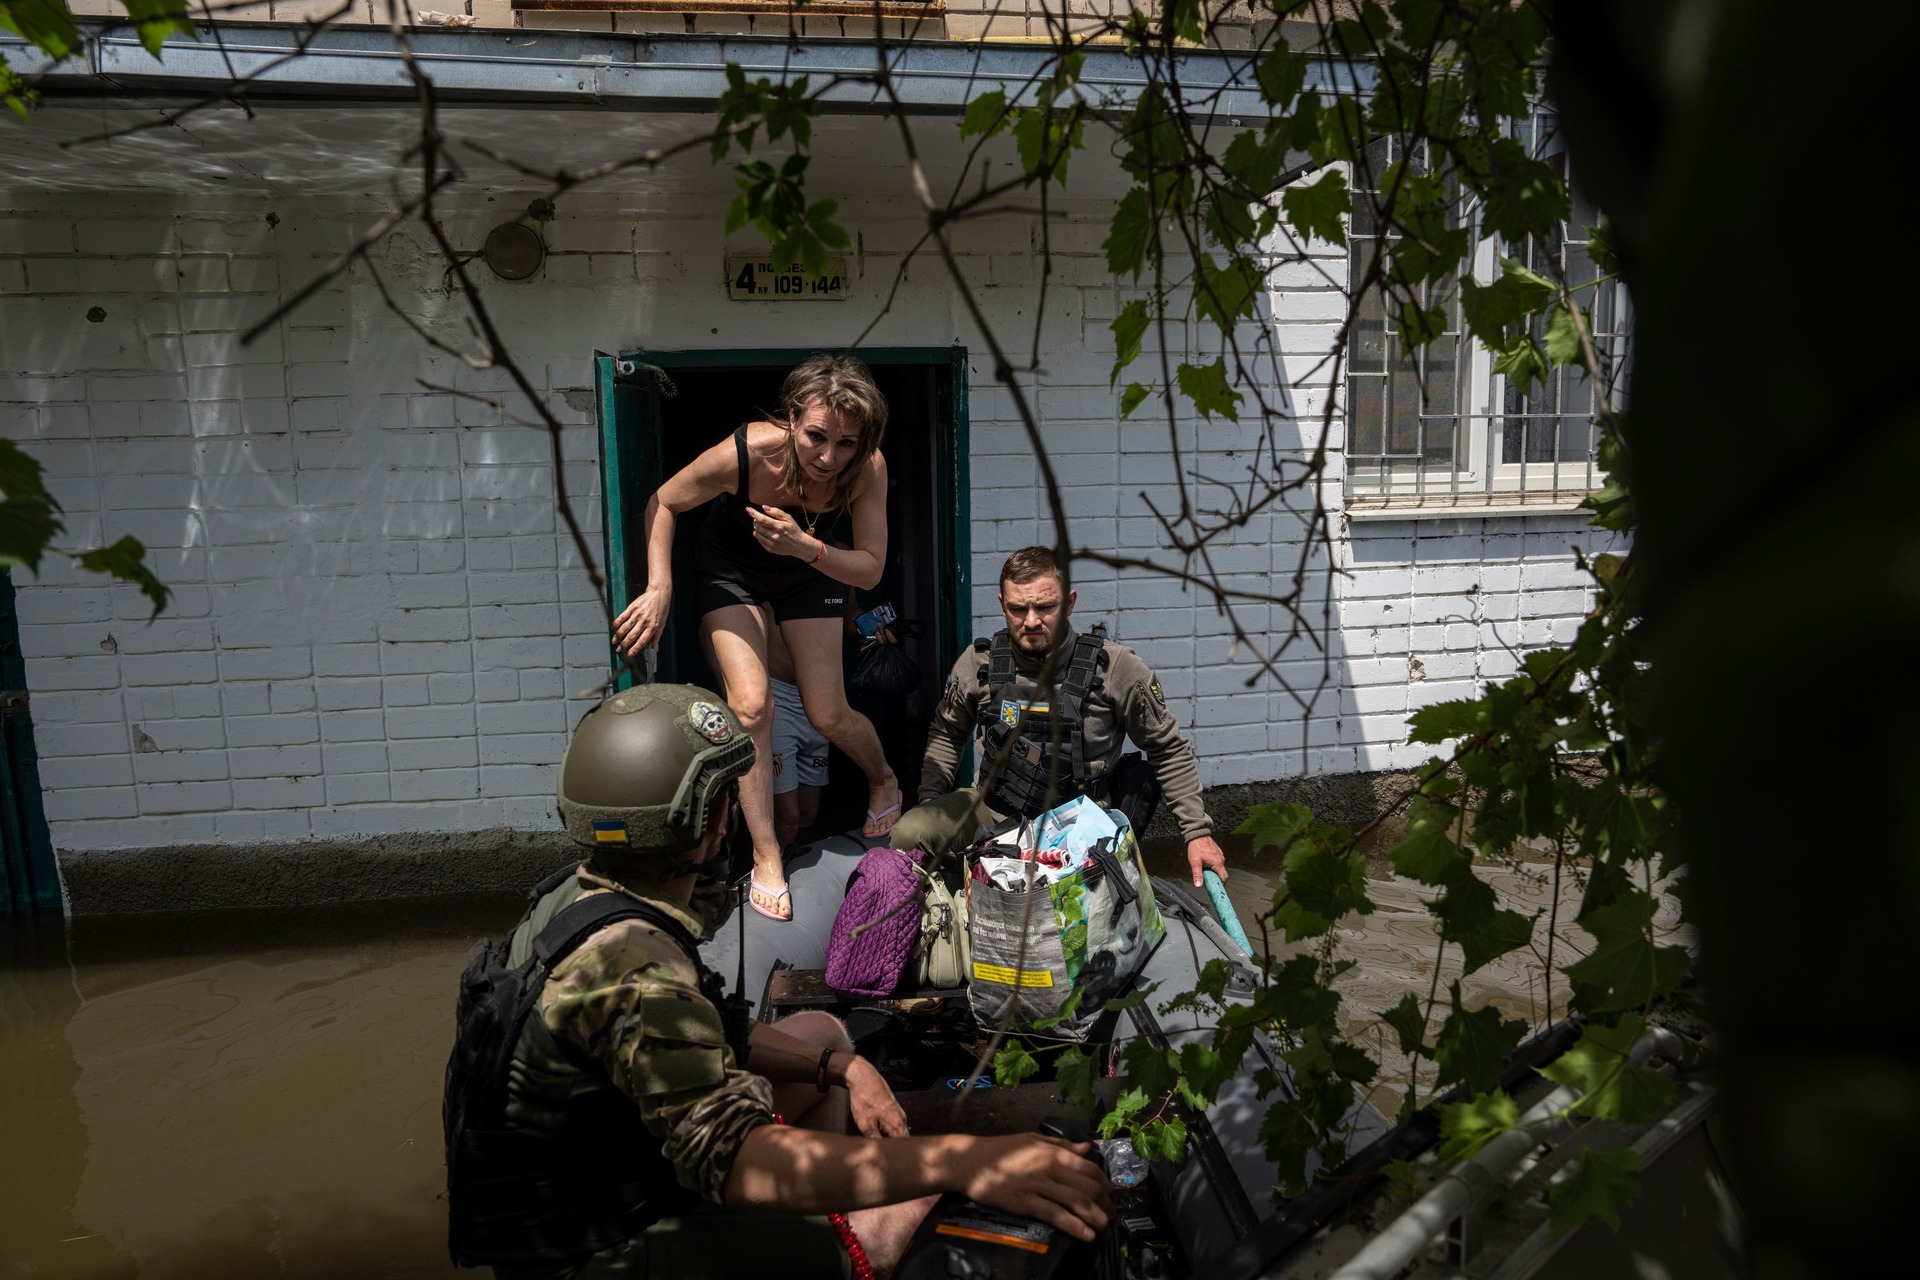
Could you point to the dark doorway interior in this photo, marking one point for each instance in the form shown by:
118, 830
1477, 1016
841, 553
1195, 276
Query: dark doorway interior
918, 582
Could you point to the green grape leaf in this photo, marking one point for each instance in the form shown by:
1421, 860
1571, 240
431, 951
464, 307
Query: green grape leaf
1281, 74
1409, 1023
1129, 1104
1067, 1011
1206, 385
1516, 295
1563, 337
1426, 851
1275, 825
158, 19
1522, 363
1600, 1186
1132, 398
45, 24
1439, 721
1465, 1127
1164, 1139
1403, 1174
1129, 327
1131, 234
1013, 1064
1350, 1062
986, 115
1074, 1074
1614, 1088
1226, 294
1625, 963
1600, 249
1319, 210
1472, 1046
126, 560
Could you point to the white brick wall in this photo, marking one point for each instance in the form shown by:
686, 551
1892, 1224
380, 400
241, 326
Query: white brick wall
379, 624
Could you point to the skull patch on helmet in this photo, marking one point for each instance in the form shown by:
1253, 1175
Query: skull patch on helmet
711, 721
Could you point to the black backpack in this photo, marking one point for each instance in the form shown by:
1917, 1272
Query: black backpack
495, 1000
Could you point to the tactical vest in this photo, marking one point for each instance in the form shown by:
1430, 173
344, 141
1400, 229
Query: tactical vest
1035, 759
547, 1162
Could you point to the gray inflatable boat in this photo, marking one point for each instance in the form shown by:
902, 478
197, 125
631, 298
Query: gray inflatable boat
1216, 1203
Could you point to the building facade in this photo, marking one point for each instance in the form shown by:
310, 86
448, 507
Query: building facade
380, 625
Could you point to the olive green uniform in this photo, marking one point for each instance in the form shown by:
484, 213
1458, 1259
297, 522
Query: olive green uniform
627, 1001
1128, 704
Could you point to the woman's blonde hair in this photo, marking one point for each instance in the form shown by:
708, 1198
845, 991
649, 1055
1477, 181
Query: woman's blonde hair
842, 384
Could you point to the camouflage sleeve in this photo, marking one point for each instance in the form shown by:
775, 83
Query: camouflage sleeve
953, 721
1143, 709
629, 999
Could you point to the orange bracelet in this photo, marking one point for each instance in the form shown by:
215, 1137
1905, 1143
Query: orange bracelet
821, 552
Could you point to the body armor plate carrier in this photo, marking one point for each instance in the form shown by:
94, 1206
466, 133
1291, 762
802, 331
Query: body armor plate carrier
546, 1161
1037, 767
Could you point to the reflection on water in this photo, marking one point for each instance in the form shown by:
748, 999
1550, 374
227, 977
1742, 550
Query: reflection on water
1395, 948
231, 1095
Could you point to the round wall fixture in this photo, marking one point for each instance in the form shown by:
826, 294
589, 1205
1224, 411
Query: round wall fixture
514, 251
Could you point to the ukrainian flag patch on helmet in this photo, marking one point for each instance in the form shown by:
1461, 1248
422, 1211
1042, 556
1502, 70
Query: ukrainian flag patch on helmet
609, 831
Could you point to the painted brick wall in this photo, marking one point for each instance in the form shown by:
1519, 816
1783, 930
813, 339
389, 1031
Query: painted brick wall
379, 625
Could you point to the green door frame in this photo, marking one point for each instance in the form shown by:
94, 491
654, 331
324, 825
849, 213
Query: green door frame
631, 464
30, 878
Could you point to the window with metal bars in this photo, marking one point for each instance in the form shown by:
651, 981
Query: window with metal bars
1436, 427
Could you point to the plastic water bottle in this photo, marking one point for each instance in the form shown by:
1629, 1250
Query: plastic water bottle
1125, 1166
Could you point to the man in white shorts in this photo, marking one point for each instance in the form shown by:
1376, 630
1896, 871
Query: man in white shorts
799, 750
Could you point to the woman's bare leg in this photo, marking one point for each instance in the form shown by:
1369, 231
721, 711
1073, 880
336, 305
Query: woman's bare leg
815, 645
736, 642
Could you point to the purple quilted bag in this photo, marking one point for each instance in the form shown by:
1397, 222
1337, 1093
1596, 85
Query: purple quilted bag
884, 892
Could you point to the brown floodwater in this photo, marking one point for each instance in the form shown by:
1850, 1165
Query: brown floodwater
233, 1095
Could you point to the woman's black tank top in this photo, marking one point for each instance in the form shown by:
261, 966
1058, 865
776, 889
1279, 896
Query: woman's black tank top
727, 536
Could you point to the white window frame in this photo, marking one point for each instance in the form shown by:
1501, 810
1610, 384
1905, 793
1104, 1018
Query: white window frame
1382, 486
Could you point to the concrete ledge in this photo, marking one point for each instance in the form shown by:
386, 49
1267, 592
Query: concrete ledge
214, 877
203, 877
1339, 797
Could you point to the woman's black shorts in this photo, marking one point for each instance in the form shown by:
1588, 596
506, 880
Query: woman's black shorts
800, 592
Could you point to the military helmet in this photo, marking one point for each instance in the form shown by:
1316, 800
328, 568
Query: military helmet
645, 766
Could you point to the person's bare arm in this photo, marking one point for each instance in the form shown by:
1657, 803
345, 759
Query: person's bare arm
786, 1059
805, 1171
708, 476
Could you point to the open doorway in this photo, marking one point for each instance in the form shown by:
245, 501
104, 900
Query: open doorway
646, 436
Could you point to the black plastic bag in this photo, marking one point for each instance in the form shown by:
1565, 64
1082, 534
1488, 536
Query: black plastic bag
883, 668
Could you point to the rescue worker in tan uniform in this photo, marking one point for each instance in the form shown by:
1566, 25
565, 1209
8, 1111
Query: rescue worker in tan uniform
620, 1128
1069, 742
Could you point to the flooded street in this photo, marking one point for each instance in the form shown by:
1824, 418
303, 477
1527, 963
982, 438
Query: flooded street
232, 1095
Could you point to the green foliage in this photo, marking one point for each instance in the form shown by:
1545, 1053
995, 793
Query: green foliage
1613, 1088
1465, 1127
747, 106
1626, 963
1129, 327
48, 26
1602, 1182
774, 201
1207, 386
1319, 209
1012, 1064
30, 521
1473, 1045
1130, 236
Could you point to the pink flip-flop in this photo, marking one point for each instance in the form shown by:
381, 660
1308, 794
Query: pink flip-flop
889, 816
756, 892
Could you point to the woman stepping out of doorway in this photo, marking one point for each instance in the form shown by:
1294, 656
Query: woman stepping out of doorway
764, 561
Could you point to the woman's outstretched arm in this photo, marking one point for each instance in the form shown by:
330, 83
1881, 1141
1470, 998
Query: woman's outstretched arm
641, 623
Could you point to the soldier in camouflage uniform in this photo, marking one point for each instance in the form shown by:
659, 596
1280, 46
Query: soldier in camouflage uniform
1059, 750
626, 1075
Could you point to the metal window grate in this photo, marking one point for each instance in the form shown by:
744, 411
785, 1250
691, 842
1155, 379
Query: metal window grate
1438, 428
